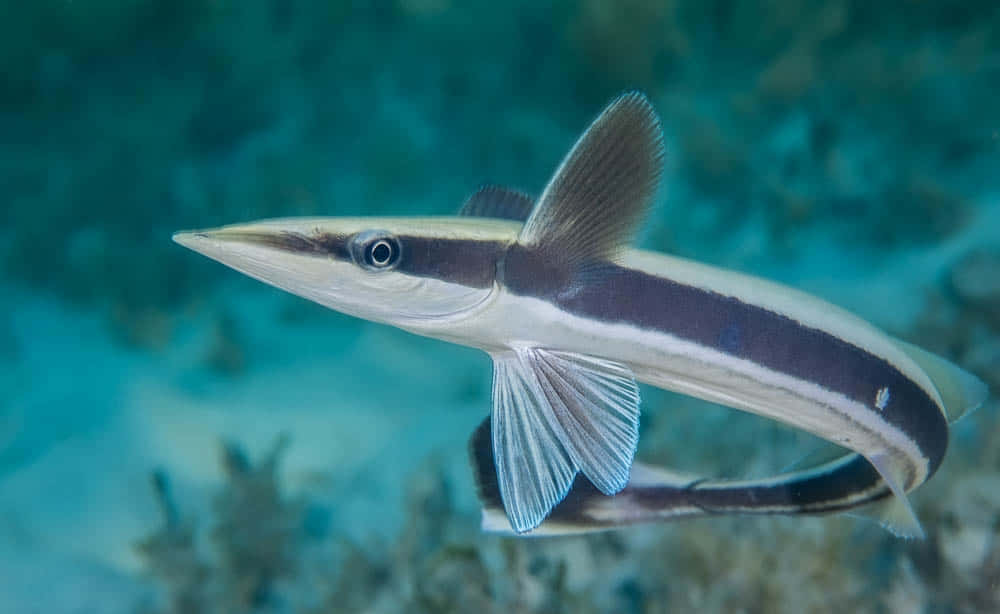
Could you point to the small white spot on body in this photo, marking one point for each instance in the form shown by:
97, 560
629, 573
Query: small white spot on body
882, 397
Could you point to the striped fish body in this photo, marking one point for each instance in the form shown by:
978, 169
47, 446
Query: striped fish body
657, 494
739, 341
573, 318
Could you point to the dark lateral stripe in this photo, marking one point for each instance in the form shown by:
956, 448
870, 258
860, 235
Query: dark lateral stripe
833, 491
826, 492
324, 244
617, 294
484, 469
807, 493
468, 262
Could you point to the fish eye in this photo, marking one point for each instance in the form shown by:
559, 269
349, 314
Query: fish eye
381, 253
376, 250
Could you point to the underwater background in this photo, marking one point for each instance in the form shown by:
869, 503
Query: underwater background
176, 438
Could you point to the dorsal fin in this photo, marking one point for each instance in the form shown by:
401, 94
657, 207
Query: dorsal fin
599, 194
498, 202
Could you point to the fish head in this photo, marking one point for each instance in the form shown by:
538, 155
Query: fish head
421, 274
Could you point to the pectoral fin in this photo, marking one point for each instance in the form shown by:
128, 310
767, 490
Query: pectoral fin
555, 414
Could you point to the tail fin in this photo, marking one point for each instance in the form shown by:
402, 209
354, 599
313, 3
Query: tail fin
961, 392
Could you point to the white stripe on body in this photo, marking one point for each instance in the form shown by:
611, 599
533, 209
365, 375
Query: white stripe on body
668, 362
804, 308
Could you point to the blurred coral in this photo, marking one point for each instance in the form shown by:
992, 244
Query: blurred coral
259, 558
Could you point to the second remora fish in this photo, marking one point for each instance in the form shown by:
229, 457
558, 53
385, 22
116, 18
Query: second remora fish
573, 318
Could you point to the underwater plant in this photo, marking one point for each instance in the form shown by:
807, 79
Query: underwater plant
254, 543
257, 551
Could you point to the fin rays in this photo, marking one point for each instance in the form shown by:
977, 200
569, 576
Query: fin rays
599, 405
534, 470
600, 192
555, 414
498, 202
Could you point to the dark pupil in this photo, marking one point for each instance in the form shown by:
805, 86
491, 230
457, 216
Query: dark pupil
381, 253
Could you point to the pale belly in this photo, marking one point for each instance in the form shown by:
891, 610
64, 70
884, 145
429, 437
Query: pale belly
672, 363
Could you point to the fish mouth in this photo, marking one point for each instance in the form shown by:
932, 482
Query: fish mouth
283, 258
190, 238
201, 240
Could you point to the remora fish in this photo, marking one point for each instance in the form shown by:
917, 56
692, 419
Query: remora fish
573, 317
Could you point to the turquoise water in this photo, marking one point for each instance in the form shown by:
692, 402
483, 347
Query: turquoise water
175, 437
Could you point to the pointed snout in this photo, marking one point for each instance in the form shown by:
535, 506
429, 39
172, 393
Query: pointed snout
235, 235
232, 245
213, 239
289, 237
211, 243
192, 239
222, 244
295, 256
255, 252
